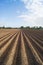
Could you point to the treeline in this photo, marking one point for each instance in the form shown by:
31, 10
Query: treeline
28, 27
22, 27
5, 27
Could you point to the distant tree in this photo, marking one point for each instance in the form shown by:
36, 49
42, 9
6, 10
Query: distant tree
36, 27
3, 27
40, 27
33, 27
27, 27
0, 27
8, 28
21, 27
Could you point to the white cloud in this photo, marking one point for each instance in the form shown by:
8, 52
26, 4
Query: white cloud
27, 19
36, 7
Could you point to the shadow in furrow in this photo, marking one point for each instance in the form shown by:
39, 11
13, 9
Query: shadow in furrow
4, 57
38, 40
35, 37
6, 42
30, 56
4, 35
38, 49
40, 52
18, 52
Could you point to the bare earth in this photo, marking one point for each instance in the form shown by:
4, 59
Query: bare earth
21, 47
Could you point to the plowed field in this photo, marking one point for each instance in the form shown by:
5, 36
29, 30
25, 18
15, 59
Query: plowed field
21, 47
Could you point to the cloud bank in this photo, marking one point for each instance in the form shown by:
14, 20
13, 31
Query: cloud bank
36, 9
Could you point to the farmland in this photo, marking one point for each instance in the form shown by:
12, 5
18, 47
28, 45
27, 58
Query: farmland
21, 47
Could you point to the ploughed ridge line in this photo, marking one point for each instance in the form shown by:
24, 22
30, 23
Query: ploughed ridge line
21, 47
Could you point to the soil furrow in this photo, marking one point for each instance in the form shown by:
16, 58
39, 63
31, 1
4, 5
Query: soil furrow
34, 51
5, 49
30, 55
38, 48
4, 37
21, 47
18, 54
11, 55
24, 59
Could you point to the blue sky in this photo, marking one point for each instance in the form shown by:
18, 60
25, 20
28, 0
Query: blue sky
16, 13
